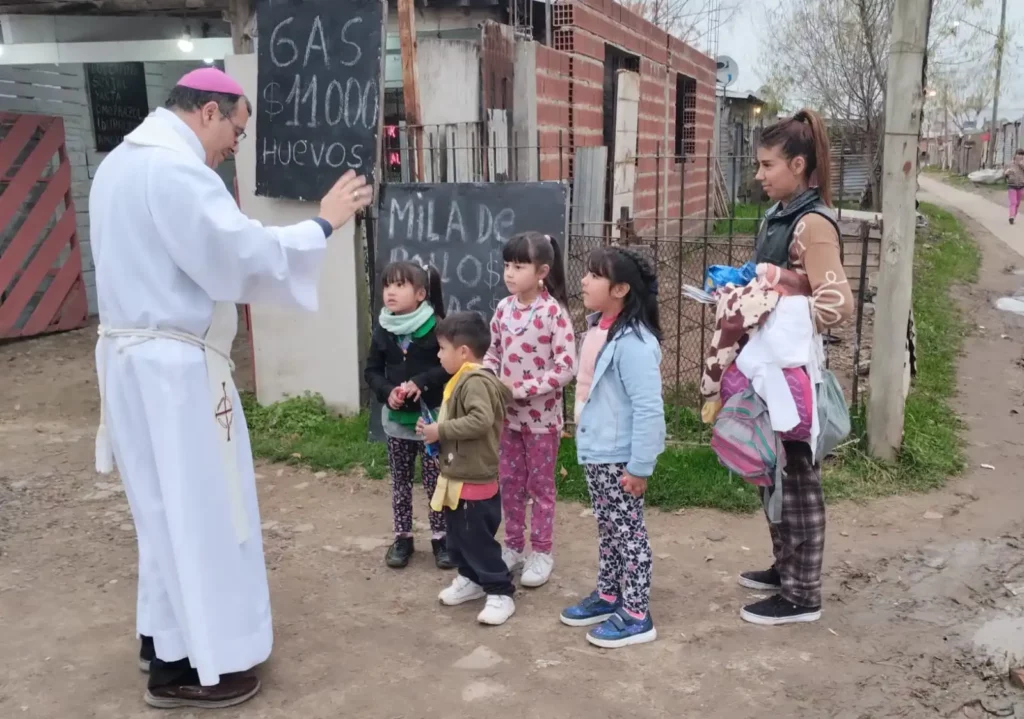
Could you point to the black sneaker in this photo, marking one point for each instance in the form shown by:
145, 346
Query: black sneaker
1011, 220
775, 611
441, 556
147, 653
400, 553
767, 580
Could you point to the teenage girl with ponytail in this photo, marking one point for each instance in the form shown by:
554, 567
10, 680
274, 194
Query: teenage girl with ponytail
798, 243
620, 431
404, 372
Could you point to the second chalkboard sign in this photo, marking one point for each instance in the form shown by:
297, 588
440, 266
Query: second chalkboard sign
460, 228
319, 84
117, 96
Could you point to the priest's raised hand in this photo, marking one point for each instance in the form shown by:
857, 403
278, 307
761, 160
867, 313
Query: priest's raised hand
349, 195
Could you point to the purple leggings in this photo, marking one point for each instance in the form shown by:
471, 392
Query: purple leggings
734, 381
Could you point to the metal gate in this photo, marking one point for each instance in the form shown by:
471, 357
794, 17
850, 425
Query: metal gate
41, 287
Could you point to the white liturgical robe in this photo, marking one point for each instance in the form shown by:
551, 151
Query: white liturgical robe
173, 253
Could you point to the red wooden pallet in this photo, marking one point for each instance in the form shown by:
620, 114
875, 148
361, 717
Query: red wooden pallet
33, 255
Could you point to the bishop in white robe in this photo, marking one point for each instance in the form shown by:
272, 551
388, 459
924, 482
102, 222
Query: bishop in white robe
173, 254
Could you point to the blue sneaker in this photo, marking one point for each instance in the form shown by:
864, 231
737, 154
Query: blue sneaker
592, 610
622, 630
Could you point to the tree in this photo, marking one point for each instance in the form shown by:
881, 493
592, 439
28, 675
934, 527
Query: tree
835, 54
957, 97
686, 19
775, 92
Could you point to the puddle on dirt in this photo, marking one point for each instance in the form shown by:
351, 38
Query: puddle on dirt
1011, 304
1001, 638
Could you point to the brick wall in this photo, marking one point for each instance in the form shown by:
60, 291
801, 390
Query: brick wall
570, 95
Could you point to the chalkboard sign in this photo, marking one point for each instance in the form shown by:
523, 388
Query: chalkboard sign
319, 81
460, 228
117, 94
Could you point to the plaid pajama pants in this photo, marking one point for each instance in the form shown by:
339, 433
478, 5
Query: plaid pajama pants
798, 541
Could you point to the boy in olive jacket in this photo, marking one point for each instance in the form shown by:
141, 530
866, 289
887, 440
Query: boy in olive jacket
468, 429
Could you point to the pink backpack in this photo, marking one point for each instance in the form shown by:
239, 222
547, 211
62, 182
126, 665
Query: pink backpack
744, 441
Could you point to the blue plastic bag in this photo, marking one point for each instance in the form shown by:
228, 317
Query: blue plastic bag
718, 276
434, 449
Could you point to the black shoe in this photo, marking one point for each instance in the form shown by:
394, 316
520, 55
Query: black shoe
400, 553
147, 653
767, 579
1011, 220
775, 611
441, 556
233, 689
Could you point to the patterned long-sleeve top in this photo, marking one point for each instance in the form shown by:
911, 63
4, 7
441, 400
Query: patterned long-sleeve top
533, 351
817, 270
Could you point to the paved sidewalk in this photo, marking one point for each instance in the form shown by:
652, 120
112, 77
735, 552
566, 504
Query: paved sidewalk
991, 216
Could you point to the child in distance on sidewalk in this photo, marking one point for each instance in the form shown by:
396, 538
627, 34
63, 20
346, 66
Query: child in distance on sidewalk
468, 429
620, 420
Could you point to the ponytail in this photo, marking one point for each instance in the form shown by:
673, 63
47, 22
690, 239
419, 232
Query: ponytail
555, 281
435, 292
805, 135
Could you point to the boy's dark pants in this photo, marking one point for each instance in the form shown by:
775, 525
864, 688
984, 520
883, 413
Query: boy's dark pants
472, 545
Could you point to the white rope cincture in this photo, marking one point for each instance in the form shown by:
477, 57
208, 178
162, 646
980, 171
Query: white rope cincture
104, 450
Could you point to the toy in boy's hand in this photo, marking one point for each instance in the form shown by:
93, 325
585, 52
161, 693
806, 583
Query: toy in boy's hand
427, 428
718, 276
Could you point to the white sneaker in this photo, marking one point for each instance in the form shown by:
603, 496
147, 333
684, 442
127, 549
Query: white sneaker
499, 608
461, 591
513, 560
537, 570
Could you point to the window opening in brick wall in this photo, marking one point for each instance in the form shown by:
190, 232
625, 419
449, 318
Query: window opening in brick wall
615, 59
686, 117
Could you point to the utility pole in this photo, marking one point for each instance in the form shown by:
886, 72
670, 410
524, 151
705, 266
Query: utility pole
410, 75
904, 105
1000, 46
946, 156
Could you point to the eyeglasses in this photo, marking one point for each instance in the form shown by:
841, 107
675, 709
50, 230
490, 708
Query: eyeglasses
239, 132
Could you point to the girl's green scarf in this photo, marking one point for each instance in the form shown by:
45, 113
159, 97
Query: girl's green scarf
408, 324
408, 327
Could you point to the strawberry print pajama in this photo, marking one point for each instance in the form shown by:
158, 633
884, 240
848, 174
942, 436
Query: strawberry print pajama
533, 351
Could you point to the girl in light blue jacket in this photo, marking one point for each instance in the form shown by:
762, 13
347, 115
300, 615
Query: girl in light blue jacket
620, 421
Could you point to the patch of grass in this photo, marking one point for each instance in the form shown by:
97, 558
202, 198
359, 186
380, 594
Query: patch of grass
304, 431
945, 256
746, 217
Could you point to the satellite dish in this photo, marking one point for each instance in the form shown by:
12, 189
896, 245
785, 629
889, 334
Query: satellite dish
728, 70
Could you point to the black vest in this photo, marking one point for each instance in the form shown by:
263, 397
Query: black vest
776, 231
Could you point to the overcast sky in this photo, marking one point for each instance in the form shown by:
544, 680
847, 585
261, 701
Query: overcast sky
742, 41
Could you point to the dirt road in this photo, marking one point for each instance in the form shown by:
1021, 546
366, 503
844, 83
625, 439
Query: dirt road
913, 584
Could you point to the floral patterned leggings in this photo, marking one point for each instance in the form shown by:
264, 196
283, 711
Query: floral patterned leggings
402, 460
624, 550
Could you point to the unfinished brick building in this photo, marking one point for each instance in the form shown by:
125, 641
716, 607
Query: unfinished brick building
577, 99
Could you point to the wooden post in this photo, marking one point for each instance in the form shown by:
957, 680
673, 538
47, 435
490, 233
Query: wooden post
410, 88
241, 16
903, 108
